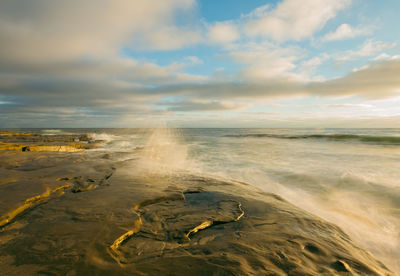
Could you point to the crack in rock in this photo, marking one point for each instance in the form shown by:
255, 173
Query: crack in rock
170, 221
209, 223
34, 201
30, 203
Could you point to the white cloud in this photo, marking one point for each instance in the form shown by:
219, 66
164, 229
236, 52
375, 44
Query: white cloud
346, 106
266, 61
258, 12
377, 81
385, 56
196, 105
345, 31
294, 20
66, 55
223, 32
369, 48
167, 38
123, 70
193, 60
63, 30
309, 67
381, 57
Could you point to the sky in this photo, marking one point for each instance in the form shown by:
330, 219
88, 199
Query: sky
199, 63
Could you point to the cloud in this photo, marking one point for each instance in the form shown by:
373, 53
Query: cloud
66, 60
193, 60
200, 105
385, 56
381, 57
345, 31
122, 71
293, 19
257, 12
309, 67
223, 32
53, 31
167, 38
265, 61
346, 106
369, 48
377, 81
38, 98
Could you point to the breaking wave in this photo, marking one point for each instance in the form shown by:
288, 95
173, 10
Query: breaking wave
381, 140
102, 137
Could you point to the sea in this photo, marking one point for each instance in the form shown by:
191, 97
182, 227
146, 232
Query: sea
350, 177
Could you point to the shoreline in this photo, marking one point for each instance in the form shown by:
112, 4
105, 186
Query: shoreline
103, 215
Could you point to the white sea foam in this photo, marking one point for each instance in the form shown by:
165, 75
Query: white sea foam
103, 137
54, 132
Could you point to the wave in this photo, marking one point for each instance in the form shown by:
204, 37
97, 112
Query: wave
51, 132
102, 137
381, 140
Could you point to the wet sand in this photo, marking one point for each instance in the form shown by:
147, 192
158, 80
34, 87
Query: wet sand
99, 213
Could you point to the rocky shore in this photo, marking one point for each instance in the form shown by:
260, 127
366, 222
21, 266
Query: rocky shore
102, 213
35, 142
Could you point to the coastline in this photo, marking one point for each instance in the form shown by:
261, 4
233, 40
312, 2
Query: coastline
96, 212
